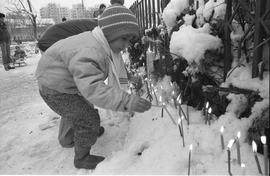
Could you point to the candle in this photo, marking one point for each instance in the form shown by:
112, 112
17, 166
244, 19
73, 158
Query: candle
187, 115
254, 147
189, 158
164, 107
221, 137
230, 144
179, 127
243, 168
182, 129
265, 154
206, 112
179, 102
238, 148
160, 99
209, 117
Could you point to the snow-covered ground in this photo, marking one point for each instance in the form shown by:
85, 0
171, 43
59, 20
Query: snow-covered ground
143, 144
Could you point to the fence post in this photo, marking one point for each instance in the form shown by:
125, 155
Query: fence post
158, 11
228, 54
258, 36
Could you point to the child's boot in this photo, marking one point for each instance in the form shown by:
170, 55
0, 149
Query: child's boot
84, 160
66, 133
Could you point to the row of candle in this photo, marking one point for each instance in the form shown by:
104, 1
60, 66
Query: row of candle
208, 116
254, 147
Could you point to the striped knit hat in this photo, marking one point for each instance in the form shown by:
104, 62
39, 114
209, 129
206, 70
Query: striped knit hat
117, 21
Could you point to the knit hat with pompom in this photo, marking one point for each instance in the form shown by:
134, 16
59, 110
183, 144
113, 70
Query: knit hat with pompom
117, 21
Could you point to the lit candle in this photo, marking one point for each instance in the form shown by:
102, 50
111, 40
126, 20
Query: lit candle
265, 154
209, 117
179, 127
189, 158
243, 168
160, 99
179, 102
182, 128
254, 147
230, 144
206, 112
238, 147
180, 108
221, 137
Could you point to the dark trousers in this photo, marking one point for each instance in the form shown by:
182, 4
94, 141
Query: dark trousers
5, 48
80, 121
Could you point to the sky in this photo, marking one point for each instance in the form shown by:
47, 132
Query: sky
65, 3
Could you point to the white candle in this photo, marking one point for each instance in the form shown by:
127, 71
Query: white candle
254, 148
160, 100
206, 112
183, 137
265, 154
238, 148
179, 127
230, 144
221, 137
189, 158
209, 116
179, 102
243, 168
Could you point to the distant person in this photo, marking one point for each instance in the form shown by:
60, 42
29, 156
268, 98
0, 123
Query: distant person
19, 53
5, 43
78, 73
100, 10
64, 19
63, 30
120, 2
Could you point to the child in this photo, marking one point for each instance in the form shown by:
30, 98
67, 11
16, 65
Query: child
19, 53
71, 76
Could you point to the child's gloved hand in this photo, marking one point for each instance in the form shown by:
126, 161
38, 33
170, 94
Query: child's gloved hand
140, 104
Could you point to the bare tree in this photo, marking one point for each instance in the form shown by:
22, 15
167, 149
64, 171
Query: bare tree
25, 6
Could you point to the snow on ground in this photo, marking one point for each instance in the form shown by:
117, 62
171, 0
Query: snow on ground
144, 144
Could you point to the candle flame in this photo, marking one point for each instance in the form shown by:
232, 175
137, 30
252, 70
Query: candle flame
263, 139
210, 110
173, 92
179, 99
230, 144
190, 147
243, 165
254, 146
179, 121
182, 117
238, 134
222, 129
207, 104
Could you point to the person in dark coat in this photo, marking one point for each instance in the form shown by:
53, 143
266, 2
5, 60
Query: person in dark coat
5, 43
121, 2
64, 30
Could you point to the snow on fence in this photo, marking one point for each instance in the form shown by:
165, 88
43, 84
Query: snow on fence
256, 13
